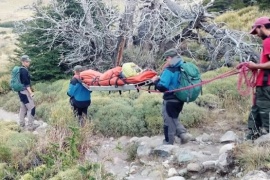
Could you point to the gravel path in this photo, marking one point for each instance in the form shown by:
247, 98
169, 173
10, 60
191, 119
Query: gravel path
8, 116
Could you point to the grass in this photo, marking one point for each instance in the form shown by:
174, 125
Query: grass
243, 19
253, 157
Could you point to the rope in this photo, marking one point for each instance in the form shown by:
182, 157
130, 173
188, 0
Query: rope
247, 78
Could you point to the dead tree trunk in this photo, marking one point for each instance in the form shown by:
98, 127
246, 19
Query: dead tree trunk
125, 28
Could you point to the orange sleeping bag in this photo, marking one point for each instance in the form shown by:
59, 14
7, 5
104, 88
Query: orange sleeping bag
143, 76
90, 77
111, 77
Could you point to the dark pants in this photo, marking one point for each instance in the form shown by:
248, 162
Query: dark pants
259, 116
79, 111
172, 125
79, 108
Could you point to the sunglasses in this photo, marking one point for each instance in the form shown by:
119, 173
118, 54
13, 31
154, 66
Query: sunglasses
259, 26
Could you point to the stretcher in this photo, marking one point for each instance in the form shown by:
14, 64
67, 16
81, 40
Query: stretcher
111, 80
126, 87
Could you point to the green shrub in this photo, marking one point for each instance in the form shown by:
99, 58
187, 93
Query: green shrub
27, 177
208, 101
193, 115
4, 84
148, 108
69, 174
8, 24
61, 115
132, 151
5, 154
225, 89
43, 111
12, 103
117, 119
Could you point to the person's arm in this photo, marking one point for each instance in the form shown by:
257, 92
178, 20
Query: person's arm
252, 65
162, 84
72, 87
25, 80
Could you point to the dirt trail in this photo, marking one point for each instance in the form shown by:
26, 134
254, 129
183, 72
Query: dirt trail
8, 116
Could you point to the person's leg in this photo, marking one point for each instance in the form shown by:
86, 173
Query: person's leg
84, 116
22, 114
172, 110
80, 118
165, 124
263, 103
254, 123
28, 102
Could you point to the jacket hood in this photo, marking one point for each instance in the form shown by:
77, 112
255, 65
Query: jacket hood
176, 61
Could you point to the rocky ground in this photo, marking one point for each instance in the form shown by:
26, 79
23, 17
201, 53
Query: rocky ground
205, 157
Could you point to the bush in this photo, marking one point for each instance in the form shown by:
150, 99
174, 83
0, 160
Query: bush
225, 90
117, 119
193, 115
12, 102
148, 108
5, 154
208, 101
242, 19
4, 84
252, 157
8, 24
132, 151
61, 115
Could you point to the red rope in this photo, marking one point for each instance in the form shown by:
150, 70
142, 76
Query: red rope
247, 78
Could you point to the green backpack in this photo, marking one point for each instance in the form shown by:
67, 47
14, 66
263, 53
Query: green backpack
189, 75
15, 82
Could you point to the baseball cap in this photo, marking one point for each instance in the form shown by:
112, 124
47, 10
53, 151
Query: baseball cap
258, 22
78, 68
170, 53
25, 58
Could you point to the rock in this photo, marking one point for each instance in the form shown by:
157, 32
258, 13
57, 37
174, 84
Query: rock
239, 175
117, 161
262, 140
194, 167
204, 138
183, 172
133, 169
145, 172
208, 153
154, 173
212, 178
229, 136
134, 140
164, 150
222, 163
184, 156
166, 164
207, 165
226, 147
256, 175
172, 172
143, 151
176, 178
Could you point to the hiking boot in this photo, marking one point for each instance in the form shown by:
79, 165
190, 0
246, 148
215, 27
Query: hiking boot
22, 125
184, 138
32, 127
82, 122
165, 142
251, 135
264, 131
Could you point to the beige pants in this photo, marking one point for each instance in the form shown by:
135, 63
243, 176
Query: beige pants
27, 108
